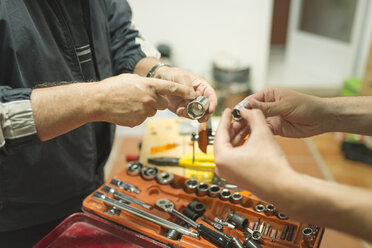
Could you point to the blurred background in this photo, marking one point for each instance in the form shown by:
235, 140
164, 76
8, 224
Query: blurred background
246, 45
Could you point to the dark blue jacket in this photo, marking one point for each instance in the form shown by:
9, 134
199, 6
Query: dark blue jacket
54, 41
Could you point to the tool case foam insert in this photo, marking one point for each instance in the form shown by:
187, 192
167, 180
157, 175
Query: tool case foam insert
151, 191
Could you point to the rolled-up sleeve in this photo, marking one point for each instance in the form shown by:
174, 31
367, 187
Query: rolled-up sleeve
127, 45
16, 119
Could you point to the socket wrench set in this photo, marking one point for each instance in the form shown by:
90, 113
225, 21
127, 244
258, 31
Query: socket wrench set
182, 212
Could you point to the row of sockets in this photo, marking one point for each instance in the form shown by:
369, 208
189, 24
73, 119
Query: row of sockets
201, 189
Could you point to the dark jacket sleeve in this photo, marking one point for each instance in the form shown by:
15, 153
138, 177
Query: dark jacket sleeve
16, 120
128, 46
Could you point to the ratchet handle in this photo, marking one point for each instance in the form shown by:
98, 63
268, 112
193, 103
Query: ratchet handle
216, 238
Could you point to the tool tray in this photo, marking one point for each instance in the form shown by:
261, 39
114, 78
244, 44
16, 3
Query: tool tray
151, 191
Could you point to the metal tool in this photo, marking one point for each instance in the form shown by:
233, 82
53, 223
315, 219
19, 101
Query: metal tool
267, 229
190, 186
257, 223
216, 238
225, 195
197, 108
197, 206
164, 178
202, 189
216, 225
237, 243
270, 209
149, 173
236, 198
237, 219
290, 233
256, 235
134, 168
284, 233
224, 223
249, 242
260, 208
236, 110
194, 138
125, 186
144, 215
172, 234
308, 236
214, 191
261, 227
282, 216
124, 197
272, 235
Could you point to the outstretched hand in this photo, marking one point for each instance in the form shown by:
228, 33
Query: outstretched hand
289, 113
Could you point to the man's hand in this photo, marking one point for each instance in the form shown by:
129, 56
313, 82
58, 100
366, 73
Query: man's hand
178, 104
125, 100
292, 114
129, 99
257, 163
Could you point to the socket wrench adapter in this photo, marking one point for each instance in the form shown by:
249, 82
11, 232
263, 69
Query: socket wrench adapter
202, 189
164, 178
236, 110
281, 216
197, 108
190, 186
260, 207
214, 191
270, 209
149, 173
134, 168
225, 194
236, 198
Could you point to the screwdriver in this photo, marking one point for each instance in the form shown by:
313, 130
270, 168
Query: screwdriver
202, 161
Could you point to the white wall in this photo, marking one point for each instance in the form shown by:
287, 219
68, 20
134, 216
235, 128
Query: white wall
199, 30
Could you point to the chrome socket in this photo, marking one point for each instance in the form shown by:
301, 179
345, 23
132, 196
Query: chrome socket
225, 195
308, 236
260, 208
214, 191
164, 178
282, 216
202, 189
197, 108
149, 173
134, 169
236, 198
236, 110
190, 186
270, 209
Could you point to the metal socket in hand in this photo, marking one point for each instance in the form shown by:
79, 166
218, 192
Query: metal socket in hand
190, 186
164, 177
202, 189
197, 108
236, 110
134, 168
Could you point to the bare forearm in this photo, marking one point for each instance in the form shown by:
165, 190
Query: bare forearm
60, 109
349, 114
316, 201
